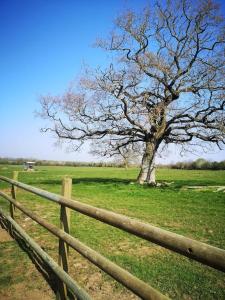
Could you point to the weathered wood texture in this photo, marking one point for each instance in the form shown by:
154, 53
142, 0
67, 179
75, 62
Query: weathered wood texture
13, 193
65, 226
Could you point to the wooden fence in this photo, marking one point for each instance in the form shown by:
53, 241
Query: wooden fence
201, 252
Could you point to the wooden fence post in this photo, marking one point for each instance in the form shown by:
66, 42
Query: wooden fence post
13, 194
64, 225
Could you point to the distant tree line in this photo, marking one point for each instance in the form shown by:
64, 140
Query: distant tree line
199, 164
21, 161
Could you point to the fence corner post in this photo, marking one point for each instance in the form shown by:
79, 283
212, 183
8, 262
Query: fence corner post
13, 193
65, 226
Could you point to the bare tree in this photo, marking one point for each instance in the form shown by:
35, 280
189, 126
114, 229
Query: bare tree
165, 85
129, 155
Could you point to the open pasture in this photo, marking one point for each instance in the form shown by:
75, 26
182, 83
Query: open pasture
195, 213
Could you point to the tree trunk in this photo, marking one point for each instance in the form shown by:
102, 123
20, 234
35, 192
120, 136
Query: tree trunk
151, 173
147, 172
126, 163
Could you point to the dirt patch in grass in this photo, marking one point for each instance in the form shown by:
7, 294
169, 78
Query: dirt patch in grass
99, 288
6, 190
140, 250
4, 236
19, 291
148, 251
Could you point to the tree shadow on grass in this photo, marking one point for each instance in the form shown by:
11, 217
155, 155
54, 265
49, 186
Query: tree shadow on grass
45, 271
100, 180
90, 180
95, 181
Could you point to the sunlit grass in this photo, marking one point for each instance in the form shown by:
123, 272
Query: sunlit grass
198, 214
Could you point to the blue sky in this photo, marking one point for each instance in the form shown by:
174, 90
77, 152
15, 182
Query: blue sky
43, 46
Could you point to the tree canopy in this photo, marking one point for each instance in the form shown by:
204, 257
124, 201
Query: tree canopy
165, 84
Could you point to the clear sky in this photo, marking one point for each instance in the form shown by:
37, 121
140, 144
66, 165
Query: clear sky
43, 44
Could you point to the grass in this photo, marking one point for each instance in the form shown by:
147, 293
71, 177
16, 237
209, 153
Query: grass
8, 252
198, 214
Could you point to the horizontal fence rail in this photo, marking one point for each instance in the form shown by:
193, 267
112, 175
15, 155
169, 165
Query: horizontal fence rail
72, 285
204, 253
131, 282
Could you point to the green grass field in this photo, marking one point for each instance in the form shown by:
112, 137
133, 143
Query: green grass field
198, 214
